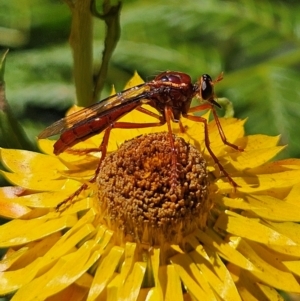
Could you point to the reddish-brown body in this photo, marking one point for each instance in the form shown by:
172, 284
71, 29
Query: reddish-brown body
173, 89
170, 93
88, 129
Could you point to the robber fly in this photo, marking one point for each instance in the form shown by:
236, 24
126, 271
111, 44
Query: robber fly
170, 93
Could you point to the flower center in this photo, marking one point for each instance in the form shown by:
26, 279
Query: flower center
137, 196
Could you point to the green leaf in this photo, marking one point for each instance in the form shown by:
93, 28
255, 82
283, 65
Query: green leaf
12, 134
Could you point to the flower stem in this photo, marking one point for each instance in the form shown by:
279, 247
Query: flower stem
81, 41
111, 17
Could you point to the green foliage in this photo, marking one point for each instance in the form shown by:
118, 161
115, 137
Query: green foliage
255, 43
11, 133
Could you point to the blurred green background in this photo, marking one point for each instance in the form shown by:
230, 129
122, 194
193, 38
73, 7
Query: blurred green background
255, 43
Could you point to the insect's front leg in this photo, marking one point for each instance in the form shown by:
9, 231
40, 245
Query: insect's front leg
207, 144
209, 106
222, 134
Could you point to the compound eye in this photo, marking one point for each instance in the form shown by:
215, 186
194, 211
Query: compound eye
206, 87
174, 77
206, 77
163, 78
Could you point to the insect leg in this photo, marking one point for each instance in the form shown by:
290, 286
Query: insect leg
92, 150
218, 79
150, 113
84, 186
182, 127
201, 107
207, 144
103, 150
169, 117
222, 134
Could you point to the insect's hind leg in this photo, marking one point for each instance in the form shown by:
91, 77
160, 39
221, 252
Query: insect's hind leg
84, 186
103, 150
174, 172
83, 151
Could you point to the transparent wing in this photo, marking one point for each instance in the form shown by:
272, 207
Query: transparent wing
98, 109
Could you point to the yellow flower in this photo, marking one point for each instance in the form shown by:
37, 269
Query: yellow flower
249, 249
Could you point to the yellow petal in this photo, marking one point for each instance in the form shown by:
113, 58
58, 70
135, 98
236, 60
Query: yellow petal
39, 181
11, 192
18, 232
132, 286
223, 288
194, 133
72, 292
251, 229
232, 128
26, 162
225, 250
216, 273
262, 182
170, 280
130, 249
187, 270
64, 272
286, 250
105, 240
67, 243
255, 157
150, 295
11, 258
157, 293
291, 230
293, 196
42, 200
105, 272
270, 292
11, 281
277, 167
85, 280
46, 146
134, 81
291, 163
274, 209
10, 210
293, 266
258, 141
249, 288
264, 206
271, 272
115, 286
31, 253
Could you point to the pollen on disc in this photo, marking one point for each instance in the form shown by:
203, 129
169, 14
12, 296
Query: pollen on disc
136, 194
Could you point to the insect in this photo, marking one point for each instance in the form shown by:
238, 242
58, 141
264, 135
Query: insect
170, 93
